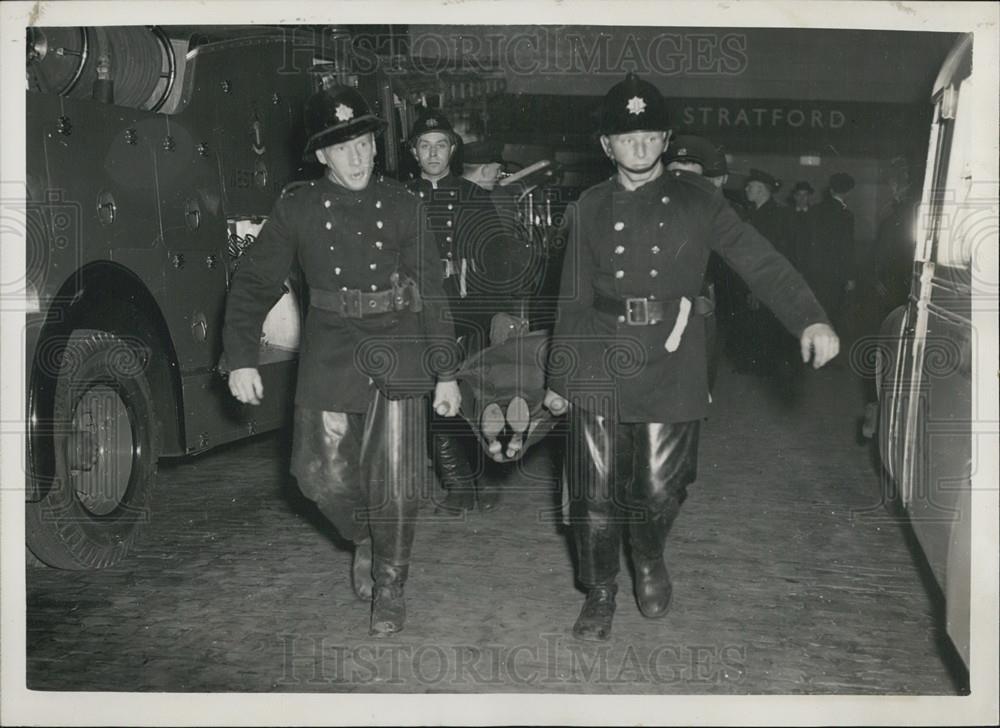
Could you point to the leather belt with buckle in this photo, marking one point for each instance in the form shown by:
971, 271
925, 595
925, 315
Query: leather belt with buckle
354, 303
647, 311
635, 311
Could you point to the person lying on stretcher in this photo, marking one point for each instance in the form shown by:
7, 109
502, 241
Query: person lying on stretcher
503, 386
503, 393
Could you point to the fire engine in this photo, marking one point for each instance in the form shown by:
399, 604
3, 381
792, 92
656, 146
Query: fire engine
153, 157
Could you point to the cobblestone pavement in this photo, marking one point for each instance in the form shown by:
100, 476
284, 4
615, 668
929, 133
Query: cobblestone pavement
789, 579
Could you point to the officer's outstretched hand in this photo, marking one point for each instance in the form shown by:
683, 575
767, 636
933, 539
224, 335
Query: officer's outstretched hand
554, 402
245, 384
447, 398
820, 341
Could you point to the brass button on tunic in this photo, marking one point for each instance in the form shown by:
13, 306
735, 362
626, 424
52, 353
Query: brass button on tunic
664, 232
331, 233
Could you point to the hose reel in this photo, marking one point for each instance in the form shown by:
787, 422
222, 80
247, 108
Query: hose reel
64, 61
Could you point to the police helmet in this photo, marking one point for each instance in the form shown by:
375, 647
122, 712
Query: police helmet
335, 115
633, 105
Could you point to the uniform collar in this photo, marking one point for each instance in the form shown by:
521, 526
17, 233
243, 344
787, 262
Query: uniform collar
651, 188
447, 182
337, 190
653, 184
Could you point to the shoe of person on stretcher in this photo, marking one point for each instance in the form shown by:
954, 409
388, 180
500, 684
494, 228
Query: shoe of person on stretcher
519, 418
491, 424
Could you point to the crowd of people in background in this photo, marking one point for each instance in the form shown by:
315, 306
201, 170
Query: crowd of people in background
857, 287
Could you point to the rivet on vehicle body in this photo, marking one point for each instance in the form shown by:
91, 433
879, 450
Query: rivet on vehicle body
192, 214
199, 327
107, 208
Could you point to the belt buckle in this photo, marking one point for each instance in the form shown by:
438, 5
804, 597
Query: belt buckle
350, 302
637, 311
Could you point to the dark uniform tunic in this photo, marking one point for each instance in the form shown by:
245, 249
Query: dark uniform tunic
828, 263
345, 239
520, 261
730, 290
800, 235
772, 221
768, 345
462, 219
655, 242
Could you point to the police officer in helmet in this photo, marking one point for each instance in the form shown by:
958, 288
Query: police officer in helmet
375, 344
628, 349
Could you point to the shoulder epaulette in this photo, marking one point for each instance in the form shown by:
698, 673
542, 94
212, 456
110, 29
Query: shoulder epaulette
595, 189
694, 179
392, 184
291, 188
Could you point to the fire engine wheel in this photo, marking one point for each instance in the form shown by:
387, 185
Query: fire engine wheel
105, 452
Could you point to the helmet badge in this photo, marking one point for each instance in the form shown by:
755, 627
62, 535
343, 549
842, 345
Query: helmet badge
344, 112
636, 105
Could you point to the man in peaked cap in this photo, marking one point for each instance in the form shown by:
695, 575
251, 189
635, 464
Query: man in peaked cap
698, 155
764, 212
717, 168
841, 183
433, 142
800, 222
376, 341
730, 290
828, 260
771, 183
628, 350
692, 153
768, 346
462, 220
800, 196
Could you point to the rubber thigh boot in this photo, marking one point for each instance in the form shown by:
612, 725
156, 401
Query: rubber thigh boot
665, 462
452, 463
596, 519
326, 461
326, 457
392, 464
